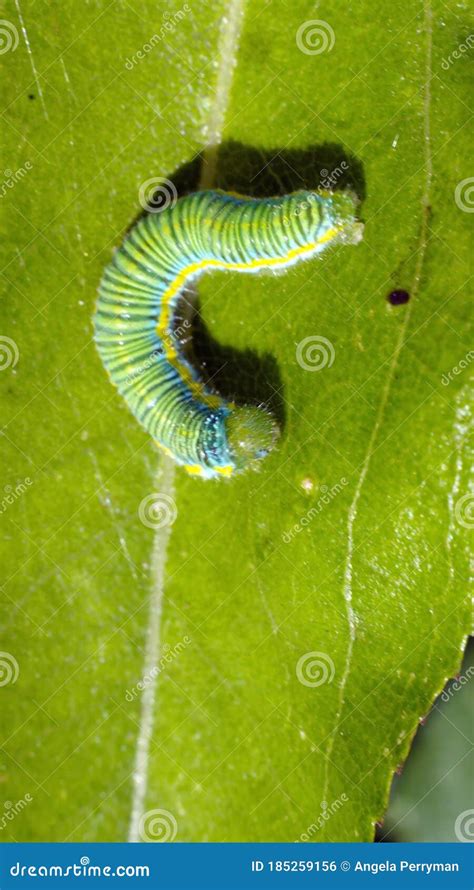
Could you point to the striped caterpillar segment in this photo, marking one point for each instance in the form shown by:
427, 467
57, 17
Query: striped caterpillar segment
137, 302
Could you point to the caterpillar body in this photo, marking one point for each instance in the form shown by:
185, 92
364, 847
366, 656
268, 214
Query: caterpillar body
137, 301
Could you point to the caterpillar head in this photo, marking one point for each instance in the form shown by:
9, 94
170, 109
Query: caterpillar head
251, 434
343, 206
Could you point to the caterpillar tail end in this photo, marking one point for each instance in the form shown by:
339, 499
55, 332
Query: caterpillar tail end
355, 233
344, 207
251, 434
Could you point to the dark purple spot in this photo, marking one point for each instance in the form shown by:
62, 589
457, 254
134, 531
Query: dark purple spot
31, 96
398, 297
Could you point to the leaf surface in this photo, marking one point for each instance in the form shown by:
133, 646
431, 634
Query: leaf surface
343, 563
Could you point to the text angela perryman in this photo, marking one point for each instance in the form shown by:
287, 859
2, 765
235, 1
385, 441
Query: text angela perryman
359, 865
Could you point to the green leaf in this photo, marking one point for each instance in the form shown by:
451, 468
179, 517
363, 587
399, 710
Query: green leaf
258, 669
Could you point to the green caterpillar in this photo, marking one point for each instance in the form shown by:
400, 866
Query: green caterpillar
139, 292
